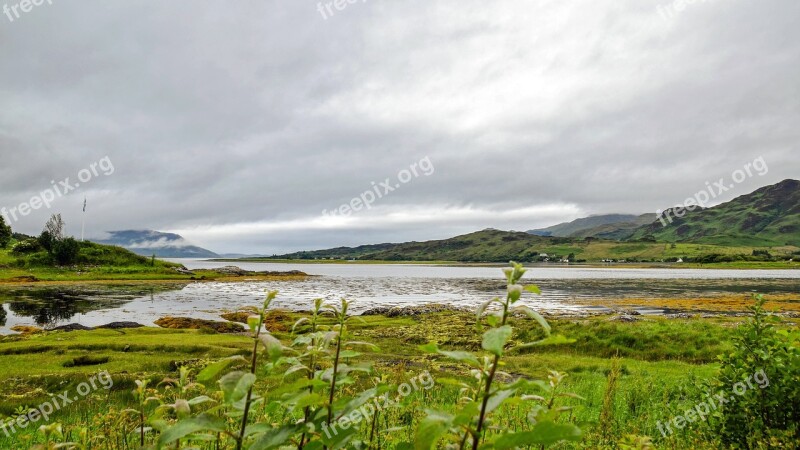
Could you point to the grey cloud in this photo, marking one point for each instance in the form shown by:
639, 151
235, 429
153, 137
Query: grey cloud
253, 115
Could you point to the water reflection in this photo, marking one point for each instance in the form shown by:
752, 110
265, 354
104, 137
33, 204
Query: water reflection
94, 305
50, 306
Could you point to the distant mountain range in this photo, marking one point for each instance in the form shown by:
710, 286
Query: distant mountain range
150, 242
606, 226
766, 218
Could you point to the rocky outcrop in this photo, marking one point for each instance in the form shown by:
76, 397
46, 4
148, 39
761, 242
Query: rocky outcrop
412, 311
186, 323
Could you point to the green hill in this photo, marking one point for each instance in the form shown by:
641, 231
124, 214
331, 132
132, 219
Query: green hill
617, 231
763, 225
767, 217
579, 227
502, 246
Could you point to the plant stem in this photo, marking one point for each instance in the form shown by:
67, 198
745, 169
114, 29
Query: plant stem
307, 409
333, 376
488, 390
486, 395
240, 439
372, 431
141, 425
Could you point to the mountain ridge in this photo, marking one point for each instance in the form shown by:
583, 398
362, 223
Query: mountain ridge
768, 217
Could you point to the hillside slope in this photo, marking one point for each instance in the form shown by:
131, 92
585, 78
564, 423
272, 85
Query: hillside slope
503, 246
617, 231
587, 226
769, 216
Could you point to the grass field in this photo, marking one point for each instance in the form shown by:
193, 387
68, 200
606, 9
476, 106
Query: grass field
662, 363
105, 263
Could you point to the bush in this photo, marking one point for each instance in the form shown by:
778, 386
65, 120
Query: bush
768, 409
26, 247
86, 360
66, 251
5, 233
46, 241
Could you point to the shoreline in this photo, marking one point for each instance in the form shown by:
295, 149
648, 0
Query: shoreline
632, 265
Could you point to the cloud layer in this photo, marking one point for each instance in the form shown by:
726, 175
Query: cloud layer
236, 124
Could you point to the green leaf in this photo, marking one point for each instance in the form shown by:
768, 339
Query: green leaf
431, 429
272, 345
370, 346
468, 415
299, 321
307, 399
349, 354
482, 308
185, 427
336, 436
533, 289
270, 297
497, 399
496, 339
429, 348
357, 402
536, 316
462, 356
451, 382
211, 372
253, 322
200, 399
543, 433
235, 385
273, 438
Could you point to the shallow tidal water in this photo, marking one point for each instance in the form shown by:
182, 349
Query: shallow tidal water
564, 291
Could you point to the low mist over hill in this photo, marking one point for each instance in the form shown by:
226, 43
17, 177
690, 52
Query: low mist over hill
163, 245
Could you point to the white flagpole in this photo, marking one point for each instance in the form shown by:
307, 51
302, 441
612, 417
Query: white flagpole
83, 221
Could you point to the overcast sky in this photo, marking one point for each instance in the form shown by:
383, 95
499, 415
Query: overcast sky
236, 124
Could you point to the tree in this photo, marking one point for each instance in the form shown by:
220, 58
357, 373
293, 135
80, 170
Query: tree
66, 251
55, 226
5, 233
52, 234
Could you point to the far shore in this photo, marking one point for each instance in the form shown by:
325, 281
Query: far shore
588, 265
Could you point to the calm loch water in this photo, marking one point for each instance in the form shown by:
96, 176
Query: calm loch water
565, 290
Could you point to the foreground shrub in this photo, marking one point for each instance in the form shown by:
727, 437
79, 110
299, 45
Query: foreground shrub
762, 375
